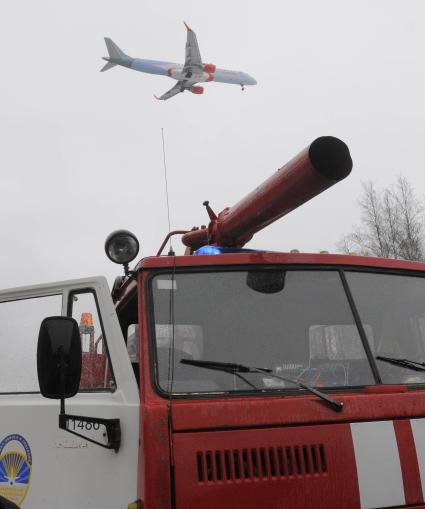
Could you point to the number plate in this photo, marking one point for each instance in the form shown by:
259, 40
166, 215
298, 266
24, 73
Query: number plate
92, 430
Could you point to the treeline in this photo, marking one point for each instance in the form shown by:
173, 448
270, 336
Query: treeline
391, 224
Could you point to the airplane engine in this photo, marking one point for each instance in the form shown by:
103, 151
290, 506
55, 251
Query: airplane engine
174, 73
197, 90
210, 68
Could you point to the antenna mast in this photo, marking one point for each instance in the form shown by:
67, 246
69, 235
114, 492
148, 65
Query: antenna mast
171, 251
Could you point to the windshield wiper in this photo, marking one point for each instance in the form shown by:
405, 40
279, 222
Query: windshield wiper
236, 369
404, 363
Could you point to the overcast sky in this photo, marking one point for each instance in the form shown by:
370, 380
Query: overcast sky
81, 150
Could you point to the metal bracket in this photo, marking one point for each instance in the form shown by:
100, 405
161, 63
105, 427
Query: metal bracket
112, 426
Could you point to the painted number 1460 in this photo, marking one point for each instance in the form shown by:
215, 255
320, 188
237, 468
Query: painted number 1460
83, 425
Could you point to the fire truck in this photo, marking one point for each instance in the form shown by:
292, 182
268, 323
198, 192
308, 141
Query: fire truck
225, 377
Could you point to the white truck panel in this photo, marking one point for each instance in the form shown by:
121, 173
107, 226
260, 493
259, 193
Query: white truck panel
64, 470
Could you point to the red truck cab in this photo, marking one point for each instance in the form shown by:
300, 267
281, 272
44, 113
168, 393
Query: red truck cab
241, 439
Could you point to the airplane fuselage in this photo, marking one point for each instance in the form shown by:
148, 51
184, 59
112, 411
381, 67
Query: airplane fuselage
174, 70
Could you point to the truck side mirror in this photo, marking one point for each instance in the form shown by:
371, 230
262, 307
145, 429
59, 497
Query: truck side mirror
59, 361
59, 357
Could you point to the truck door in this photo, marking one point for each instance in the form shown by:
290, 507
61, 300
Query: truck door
42, 466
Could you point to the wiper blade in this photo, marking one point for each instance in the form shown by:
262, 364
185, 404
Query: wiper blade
404, 363
228, 367
223, 366
236, 369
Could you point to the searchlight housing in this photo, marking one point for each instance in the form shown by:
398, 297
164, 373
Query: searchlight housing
122, 246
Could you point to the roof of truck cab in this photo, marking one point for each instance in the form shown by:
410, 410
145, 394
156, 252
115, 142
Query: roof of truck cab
264, 258
274, 258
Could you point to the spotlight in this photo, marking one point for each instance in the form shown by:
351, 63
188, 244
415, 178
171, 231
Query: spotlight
121, 246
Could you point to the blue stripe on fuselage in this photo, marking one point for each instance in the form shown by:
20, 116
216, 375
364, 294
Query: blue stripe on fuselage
152, 66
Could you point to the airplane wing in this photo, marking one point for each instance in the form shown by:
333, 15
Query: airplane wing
193, 61
178, 87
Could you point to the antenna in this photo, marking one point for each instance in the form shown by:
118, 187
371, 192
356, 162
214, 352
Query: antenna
171, 251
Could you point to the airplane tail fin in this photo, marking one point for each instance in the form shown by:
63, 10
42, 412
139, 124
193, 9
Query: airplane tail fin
107, 66
115, 53
113, 50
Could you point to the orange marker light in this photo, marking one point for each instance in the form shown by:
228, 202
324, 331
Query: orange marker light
86, 319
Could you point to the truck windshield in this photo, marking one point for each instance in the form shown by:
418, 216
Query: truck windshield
393, 307
296, 322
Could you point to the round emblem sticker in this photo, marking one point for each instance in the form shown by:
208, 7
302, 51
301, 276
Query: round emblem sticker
15, 468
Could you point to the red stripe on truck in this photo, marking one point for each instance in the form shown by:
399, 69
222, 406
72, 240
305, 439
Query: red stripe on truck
409, 462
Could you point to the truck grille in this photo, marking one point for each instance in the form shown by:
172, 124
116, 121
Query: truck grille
261, 463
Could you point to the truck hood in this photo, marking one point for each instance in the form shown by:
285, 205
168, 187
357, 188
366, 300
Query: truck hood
370, 461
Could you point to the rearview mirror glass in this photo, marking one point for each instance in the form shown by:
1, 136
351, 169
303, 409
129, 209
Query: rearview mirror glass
59, 357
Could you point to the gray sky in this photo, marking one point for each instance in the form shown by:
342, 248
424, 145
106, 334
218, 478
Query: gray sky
81, 150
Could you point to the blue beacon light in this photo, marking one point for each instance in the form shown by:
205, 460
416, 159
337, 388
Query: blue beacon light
213, 250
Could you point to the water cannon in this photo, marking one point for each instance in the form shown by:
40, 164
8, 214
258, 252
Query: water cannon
319, 166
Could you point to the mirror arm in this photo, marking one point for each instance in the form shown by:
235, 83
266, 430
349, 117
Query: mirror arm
113, 429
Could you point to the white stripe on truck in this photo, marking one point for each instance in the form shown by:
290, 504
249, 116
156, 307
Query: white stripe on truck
378, 464
418, 430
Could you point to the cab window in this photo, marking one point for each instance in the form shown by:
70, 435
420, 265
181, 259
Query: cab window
96, 373
392, 310
128, 318
19, 325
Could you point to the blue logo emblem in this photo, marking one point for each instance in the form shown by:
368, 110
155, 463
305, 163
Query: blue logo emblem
15, 468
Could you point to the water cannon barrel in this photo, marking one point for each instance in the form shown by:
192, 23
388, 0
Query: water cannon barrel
321, 165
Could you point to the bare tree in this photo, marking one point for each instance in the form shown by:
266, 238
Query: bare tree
392, 223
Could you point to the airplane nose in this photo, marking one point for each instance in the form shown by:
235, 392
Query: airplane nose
250, 80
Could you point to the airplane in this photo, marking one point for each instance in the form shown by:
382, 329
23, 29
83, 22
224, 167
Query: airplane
190, 73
